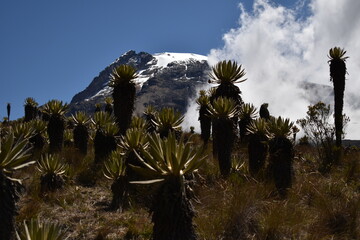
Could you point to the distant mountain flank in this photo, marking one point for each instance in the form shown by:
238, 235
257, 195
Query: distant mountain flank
168, 80
165, 80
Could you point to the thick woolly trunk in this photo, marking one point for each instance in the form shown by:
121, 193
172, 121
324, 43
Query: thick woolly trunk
120, 198
30, 113
205, 123
224, 137
103, 146
173, 213
228, 90
124, 99
337, 73
38, 142
8, 199
257, 149
108, 109
243, 124
281, 158
55, 131
81, 137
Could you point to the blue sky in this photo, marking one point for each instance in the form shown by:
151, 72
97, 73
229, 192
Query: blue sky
53, 49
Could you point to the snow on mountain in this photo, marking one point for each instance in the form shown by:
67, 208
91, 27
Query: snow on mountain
164, 79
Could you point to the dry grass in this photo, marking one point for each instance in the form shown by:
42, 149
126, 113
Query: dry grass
240, 207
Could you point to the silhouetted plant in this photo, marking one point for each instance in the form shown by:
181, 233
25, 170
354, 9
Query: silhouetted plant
81, 131
150, 114
321, 133
337, 76
38, 140
258, 144
168, 120
204, 115
264, 112
56, 110
124, 92
167, 161
247, 114
105, 137
223, 110
13, 156
30, 108
52, 171
8, 110
109, 105
281, 153
115, 170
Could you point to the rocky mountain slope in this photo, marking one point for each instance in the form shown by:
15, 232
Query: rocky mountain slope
165, 80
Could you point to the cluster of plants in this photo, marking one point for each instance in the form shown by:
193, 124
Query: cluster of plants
244, 174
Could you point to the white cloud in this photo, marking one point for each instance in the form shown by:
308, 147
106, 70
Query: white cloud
279, 49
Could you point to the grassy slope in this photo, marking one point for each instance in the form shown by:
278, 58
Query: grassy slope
317, 206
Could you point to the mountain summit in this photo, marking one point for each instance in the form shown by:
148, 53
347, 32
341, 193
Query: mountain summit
165, 80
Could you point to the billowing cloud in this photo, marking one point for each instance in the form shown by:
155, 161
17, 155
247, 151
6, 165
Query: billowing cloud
281, 48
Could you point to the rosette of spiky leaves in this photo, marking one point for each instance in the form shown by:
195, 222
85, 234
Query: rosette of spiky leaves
68, 138
337, 76
204, 115
124, 92
222, 111
53, 171
105, 137
115, 170
227, 72
168, 161
280, 127
281, 153
81, 131
133, 140
13, 156
56, 110
38, 140
258, 144
168, 120
24, 130
247, 114
138, 123
150, 114
30, 108
109, 105
35, 229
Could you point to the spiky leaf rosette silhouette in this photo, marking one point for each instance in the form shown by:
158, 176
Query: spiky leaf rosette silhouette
30, 108
36, 229
223, 110
124, 92
168, 120
204, 115
168, 161
247, 114
281, 153
337, 76
115, 170
226, 74
105, 137
56, 110
81, 131
13, 156
23, 130
258, 144
53, 171
150, 114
